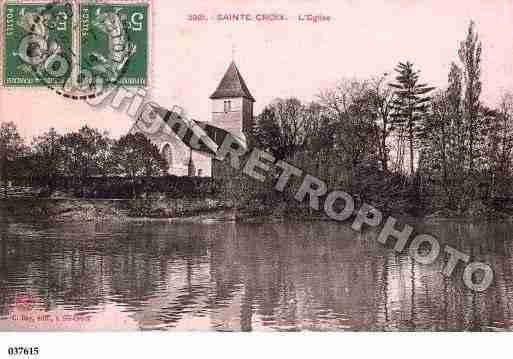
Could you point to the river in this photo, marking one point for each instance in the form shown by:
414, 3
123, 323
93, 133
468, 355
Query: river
318, 276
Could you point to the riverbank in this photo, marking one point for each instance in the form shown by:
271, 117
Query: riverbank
192, 210
476, 211
86, 210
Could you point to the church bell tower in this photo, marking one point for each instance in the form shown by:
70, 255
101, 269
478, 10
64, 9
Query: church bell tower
232, 103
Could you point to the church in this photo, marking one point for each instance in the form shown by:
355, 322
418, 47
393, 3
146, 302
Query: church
232, 110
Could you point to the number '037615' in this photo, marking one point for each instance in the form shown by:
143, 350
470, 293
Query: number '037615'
23, 351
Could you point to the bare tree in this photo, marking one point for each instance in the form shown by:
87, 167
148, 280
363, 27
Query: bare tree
280, 128
436, 138
348, 106
382, 105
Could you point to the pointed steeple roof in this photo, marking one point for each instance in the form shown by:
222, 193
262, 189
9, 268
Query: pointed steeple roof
232, 85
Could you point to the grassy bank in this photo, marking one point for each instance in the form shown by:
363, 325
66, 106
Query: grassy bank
59, 209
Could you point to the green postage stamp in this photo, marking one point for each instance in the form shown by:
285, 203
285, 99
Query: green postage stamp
115, 46
33, 31
61, 44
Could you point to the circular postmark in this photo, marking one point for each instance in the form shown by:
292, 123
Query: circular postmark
50, 48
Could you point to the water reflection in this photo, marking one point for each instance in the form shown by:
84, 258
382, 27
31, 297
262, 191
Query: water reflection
242, 277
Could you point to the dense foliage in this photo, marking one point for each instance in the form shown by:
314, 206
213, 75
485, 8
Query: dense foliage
395, 142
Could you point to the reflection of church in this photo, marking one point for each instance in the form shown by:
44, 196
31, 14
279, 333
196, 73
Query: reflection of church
232, 110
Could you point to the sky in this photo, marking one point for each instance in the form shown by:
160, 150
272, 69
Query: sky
287, 58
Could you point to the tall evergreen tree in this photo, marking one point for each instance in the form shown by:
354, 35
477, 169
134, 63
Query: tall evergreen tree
410, 103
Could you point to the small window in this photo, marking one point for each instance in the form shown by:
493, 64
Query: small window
227, 106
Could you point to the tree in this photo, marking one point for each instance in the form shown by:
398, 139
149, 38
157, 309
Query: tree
348, 106
86, 153
410, 103
72, 154
48, 154
280, 128
317, 126
498, 142
457, 142
443, 139
11, 146
435, 137
470, 57
502, 136
382, 104
134, 156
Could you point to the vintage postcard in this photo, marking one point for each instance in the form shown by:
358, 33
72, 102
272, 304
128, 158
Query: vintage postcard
255, 166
